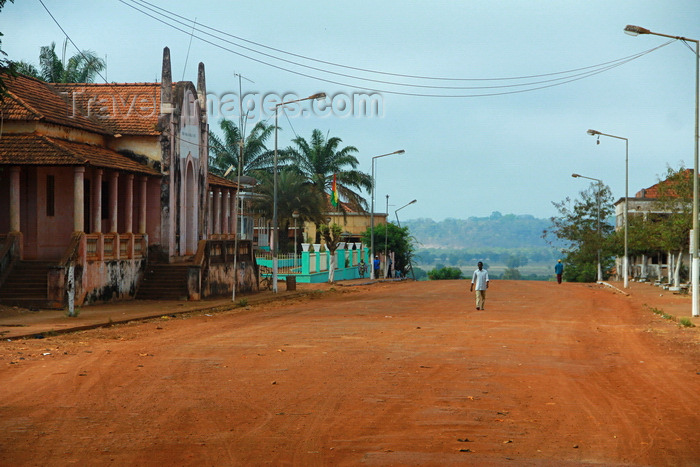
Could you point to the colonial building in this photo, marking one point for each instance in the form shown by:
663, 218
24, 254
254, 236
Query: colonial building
651, 265
353, 223
105, 194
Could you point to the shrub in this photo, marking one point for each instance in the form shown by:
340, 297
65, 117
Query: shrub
445, 273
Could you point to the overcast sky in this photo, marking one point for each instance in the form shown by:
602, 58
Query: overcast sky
475, 142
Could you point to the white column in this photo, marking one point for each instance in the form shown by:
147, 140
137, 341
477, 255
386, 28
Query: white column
217, 211
78, 199
227, 211
143, 180
97, 201
129, 204
14, 199
210, 211
113, 203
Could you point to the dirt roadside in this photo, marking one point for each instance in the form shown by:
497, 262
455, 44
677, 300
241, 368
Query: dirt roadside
386, 374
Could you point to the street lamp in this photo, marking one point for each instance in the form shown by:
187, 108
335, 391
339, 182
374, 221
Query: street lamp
625, 261
295, 215
275, 233
600, 185
371, 213
695, 267
386, 239
396, 213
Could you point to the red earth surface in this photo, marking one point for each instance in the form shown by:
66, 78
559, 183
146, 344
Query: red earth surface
395, 373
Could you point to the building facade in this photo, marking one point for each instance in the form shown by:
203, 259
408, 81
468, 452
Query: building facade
652, 264
98, 181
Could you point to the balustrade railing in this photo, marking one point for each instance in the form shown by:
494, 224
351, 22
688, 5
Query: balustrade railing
310, 262
100, 247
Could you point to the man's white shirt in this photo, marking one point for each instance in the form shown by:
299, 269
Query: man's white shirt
480, 278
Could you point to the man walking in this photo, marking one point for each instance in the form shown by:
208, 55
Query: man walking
480, 278
559, 270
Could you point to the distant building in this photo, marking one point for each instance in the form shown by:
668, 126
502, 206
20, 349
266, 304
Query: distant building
653, 265
99, 183
354, 223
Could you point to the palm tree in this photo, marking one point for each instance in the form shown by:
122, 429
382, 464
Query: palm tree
27, 69
82, 67
224, 152
293, 194
318, 159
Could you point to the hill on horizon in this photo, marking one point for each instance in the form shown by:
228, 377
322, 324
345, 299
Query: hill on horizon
510, 231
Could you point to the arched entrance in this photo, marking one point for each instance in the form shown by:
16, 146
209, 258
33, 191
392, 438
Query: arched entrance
190, 234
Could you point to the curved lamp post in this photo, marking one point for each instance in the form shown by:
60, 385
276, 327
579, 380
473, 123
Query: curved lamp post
371, 214
275, 233
695, 267
396, 213
625, 260
600, 186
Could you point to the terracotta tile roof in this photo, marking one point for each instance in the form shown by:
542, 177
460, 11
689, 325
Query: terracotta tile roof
125, 108
215, 180
342, 207
41, 150
653, 191
34, 100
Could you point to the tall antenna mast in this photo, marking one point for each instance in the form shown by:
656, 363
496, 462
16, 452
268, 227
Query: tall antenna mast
194, 24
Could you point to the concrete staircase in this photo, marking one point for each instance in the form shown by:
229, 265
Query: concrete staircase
26, 285
164, 282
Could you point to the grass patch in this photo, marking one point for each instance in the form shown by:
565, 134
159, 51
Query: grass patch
660, 312
686, 322
242, 302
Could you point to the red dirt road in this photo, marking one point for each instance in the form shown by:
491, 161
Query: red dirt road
387, 374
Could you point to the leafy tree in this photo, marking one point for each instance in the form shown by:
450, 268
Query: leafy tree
420, 274
224, 151
445, 273
512, 274
399, 241
577, 226
331, 236
516, 260
675, 198
320, 158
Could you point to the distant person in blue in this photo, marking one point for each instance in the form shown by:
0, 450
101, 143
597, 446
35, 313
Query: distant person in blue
376, 265
559, 270
480, 278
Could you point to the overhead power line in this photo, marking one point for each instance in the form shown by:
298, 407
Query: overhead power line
172, 20
186, 21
